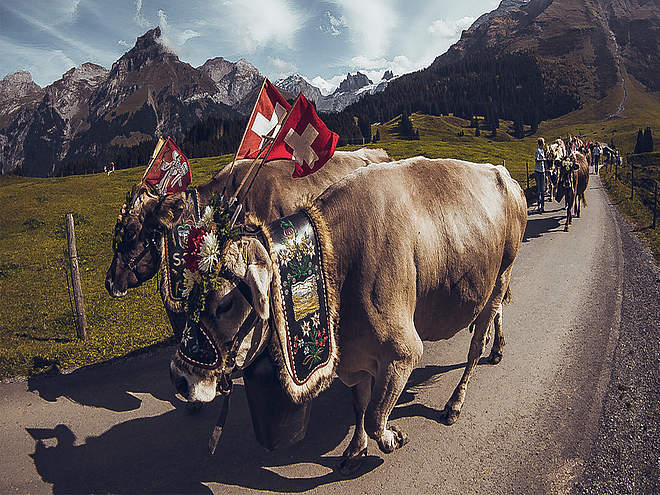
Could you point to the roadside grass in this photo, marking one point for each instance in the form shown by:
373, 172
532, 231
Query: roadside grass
639, 209
37, 328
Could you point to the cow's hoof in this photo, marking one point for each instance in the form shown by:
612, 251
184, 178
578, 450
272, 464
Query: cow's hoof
449, 416
393, 439
495, 358
351, 464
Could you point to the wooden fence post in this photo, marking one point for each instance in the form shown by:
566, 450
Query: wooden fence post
655, 203
632, 181
81, 321
527, 171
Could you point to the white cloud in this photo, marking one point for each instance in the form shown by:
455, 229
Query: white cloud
450, 28
46, 65
139, 17
256, 24
327, 86
335, 25
124, 43
283, 67
172, 38
371, 24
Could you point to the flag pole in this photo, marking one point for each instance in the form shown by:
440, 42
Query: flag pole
231, 167
159, 146
270, 141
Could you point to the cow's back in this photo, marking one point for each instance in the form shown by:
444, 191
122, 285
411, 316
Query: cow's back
275, 193
582, 173
435, 232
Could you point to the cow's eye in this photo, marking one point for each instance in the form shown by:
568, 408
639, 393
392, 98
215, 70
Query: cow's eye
224, 306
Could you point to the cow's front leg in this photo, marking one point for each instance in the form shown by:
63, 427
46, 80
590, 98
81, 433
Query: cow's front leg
453, 407
357, 449
394, 369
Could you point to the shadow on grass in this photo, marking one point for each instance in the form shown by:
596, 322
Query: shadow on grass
169, 454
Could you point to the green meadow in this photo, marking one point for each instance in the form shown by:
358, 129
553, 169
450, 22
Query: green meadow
37, 327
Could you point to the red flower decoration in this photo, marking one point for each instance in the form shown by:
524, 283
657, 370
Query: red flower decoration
191, 256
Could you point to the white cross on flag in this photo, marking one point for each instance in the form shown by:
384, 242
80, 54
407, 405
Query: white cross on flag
306, 137
268, 111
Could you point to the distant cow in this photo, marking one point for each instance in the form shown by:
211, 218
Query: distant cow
554, 154
572, 182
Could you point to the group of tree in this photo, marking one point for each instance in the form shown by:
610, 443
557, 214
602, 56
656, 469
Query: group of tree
510, 87
644, 142
405, 128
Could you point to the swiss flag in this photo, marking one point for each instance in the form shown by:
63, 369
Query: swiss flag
169, 171
268, 111
306, 137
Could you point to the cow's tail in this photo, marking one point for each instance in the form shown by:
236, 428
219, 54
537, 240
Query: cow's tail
583, 198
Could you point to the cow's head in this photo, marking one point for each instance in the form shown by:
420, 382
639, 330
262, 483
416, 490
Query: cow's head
233, 321
136, 243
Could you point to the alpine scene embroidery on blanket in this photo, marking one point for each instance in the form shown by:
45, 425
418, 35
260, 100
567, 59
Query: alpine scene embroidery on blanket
303, 292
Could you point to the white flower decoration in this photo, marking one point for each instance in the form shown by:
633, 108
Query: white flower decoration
207, 218
316, 320
188, 282
305, 328
209, 252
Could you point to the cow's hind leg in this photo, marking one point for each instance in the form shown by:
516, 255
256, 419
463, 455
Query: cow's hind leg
498, 343
453, 407
357, 449
395, 365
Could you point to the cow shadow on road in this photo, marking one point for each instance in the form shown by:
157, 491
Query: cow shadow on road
169, 454
146, 373
537, 226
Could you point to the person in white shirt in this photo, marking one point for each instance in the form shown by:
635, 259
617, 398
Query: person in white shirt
539, 172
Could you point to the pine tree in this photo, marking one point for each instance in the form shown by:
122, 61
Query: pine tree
648, 141
365, 128
376, 137
639, 145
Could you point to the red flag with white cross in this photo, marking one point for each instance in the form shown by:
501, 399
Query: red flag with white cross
306, 137
266, 115
169, 169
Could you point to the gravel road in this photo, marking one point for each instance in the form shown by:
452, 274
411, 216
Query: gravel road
573, 406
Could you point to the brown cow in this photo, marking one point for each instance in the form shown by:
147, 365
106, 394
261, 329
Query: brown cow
422, 249
571, 185
138, 258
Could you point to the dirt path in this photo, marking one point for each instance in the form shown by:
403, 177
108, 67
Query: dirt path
527, 426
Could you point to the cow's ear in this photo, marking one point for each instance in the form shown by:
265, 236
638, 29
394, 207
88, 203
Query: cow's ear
258, 275
170, 210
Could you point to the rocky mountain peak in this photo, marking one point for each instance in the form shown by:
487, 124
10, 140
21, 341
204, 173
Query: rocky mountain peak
296, 84
504, 7
16, 87
387, 75
233, 80
88, 72
353, 83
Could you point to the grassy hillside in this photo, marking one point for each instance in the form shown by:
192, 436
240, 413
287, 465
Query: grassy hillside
37, 331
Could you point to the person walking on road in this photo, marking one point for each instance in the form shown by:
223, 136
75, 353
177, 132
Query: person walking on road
597, 152
539, 172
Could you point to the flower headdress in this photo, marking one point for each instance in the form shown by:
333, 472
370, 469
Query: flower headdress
203, 257
127, 207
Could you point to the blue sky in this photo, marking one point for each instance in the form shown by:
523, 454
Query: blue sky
319, 39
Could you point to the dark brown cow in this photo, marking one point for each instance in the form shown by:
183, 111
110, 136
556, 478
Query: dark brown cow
572, 184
